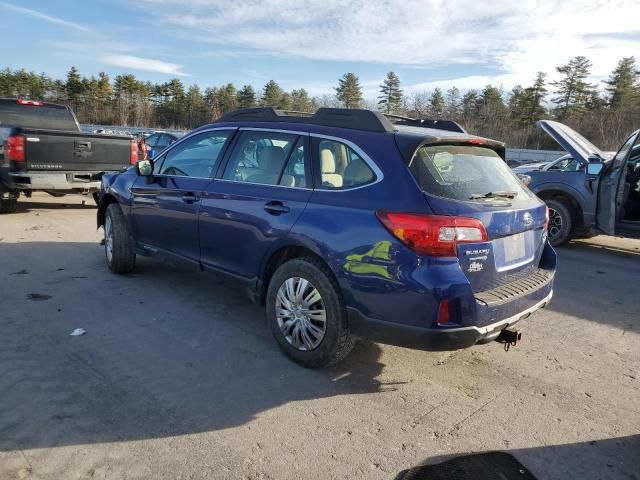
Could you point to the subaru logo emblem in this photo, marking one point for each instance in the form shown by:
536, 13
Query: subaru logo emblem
527, 219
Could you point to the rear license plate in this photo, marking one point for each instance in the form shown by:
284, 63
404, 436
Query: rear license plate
514, 247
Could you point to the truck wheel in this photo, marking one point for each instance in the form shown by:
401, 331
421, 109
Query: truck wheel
8, 205
306, 313
561, 222
118, 244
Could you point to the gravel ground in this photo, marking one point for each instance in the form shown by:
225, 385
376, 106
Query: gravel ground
177, 375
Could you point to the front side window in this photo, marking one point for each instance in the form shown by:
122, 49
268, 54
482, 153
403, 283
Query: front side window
197, 156
261, 157
618, 160
341, 167
462, 172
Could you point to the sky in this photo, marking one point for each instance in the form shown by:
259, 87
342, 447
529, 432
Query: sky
311, 43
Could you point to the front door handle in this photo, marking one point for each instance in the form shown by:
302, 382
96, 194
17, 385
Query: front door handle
276, 208
190, 198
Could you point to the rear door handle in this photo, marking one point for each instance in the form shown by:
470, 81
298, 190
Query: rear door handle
276, 208
190, 198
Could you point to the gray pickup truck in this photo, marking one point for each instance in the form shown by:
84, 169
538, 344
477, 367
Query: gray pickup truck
43, 149
597, 191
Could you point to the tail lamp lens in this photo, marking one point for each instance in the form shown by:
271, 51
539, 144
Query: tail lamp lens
15, 148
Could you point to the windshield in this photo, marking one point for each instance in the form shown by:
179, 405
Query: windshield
467, 173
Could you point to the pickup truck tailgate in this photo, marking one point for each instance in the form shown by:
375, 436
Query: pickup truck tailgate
72, 151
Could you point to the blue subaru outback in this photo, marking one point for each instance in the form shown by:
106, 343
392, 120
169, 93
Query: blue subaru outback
343, 223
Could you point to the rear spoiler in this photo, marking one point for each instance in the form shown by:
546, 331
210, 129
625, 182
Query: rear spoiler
448, 125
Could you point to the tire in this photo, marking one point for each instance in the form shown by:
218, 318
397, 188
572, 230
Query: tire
561, 222
320, 350
118, 244
8, 205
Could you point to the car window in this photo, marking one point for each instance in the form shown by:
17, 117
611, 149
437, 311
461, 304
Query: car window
464, 173
151, 140
260, 157
341, 167
618, 160
163, 141
195, 157
568, 165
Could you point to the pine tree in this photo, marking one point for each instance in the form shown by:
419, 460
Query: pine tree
272, 95
535, 96
623, 85
300, 101
573, 91
436, 104
246, 97
390, 98
452, 103
349, 91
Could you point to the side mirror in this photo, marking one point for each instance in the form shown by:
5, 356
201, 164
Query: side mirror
145, 168
594, 168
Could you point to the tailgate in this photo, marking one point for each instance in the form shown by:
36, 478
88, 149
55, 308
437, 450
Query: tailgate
72, 151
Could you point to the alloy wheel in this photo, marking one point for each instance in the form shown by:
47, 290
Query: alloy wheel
555, 223
108, 238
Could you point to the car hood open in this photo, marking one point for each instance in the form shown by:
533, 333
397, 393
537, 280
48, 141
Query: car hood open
572, 142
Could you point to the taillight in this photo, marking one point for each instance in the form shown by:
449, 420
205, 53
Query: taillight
15, 148
133, 156
434, 235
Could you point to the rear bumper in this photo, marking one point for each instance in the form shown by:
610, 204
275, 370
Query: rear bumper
60, 181
436, 339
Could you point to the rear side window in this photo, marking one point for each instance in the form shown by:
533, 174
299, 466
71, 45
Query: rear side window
13, 114
462, 172
341, 167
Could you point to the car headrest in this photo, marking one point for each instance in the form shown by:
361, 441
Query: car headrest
271, 159
327, 161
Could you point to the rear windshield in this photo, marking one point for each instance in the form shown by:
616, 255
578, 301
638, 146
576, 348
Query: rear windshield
467, 173
13, 114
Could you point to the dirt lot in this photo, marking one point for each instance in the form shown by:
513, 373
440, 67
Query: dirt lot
178, 377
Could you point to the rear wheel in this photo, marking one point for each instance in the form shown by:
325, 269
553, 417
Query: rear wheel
8, 205
118, 245
306, 313
561, 222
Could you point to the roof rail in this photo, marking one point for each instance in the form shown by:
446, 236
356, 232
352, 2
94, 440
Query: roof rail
356, 119
449, 125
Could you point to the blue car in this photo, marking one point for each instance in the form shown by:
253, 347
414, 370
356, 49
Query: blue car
343, 225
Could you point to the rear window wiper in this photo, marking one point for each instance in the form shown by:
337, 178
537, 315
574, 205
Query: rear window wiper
497, 194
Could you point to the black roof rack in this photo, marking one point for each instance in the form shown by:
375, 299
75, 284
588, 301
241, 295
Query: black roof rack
449, 125
356, 119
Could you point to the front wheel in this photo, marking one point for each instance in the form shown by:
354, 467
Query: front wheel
8, 205
306, 313
561, 222
118, 245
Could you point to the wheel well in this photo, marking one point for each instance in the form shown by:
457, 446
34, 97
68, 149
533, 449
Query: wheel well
102, 208
279, 257
573, 204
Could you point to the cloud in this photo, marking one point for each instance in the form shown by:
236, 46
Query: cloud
516, 39
43, 16
148, 64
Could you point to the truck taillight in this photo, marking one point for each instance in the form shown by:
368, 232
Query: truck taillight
15, 148
133, 156
434, 235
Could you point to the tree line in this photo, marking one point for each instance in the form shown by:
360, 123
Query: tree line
604, 115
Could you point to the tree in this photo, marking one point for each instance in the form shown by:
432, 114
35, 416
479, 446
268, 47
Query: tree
390, 98
194, 106
300, 101
272, 95
573, 91
349, 91
452, 103
623, 86
246, 97
436, 103
535, 98
74, 87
